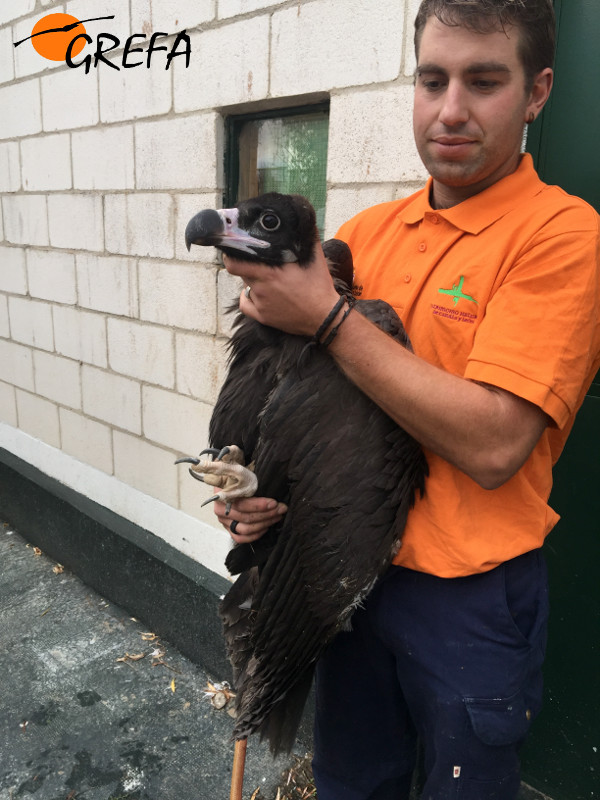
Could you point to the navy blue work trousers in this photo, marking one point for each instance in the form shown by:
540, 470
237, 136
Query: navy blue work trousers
454, 662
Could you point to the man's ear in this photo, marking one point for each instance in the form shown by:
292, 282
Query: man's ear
540, 92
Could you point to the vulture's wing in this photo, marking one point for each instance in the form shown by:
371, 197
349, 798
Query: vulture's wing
252, 375
351, 477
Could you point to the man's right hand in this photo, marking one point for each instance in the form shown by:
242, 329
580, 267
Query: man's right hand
253, 517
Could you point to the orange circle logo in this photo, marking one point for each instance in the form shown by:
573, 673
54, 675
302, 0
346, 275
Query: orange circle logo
52, 34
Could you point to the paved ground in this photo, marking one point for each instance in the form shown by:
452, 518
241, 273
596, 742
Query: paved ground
93, 707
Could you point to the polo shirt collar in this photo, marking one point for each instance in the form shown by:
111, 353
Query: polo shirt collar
483, 209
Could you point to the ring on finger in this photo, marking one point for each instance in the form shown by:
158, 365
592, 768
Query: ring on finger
233, 526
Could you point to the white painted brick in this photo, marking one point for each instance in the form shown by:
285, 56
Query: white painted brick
231, 8
103, 158
46, 162
141, 351
107, 283
229, 65
186, 206
315, 47
17, 364
21, 109
344, 203
27, 59
38, 418
140, 224
146, 467
80, 335
10, 171
175, 421
86, 440
410, 61
31, 322
1, 229
57, 379
371, 138
51, 275
69, 99
111, 398
25, 219
136, 92
178, 153
7, 66
13, 274
182, 295
85, 9
201, 365
229, 288
4, 326
75, 221
402, 190
8, 404
14, 9
170, 16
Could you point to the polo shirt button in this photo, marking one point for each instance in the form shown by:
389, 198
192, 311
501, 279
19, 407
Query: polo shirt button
423, 247
435, 219
407, 277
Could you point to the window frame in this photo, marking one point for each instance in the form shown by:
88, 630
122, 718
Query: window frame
234, 124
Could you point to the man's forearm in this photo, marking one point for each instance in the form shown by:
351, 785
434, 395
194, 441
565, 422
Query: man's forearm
486, 432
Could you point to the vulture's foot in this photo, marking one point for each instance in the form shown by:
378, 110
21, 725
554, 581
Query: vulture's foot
226, 471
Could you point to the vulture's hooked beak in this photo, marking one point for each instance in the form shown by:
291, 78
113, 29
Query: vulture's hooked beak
220, 229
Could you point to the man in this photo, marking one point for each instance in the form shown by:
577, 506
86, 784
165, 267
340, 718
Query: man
496, 278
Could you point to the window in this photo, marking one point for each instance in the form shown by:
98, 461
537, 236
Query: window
279, 151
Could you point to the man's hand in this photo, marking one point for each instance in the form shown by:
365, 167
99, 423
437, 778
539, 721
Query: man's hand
292, 298
252, 516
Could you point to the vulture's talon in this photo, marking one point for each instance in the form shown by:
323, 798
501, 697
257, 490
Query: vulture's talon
212, 451
188, 460
219, 496
196, 476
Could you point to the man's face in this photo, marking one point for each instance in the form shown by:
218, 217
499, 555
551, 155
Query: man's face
470, 108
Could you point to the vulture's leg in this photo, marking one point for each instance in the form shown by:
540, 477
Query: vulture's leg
227, 472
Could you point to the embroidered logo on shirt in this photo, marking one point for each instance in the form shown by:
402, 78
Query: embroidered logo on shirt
457, 293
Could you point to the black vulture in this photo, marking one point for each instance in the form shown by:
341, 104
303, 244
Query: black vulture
346, 471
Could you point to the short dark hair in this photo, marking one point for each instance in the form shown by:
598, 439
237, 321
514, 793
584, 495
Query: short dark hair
534, 18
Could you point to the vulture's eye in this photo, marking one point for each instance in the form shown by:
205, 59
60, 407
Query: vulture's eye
269, 221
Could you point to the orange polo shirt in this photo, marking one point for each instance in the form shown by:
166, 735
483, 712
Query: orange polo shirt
503, 288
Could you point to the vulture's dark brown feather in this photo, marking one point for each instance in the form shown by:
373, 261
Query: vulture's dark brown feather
346, 471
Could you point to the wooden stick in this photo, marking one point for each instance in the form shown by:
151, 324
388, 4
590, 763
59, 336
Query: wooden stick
237, 774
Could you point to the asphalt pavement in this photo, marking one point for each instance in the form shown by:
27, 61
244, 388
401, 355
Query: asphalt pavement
93, 706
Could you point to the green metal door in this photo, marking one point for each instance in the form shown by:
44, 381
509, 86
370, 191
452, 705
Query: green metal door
562, 757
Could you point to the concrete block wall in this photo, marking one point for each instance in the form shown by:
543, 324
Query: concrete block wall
112, 334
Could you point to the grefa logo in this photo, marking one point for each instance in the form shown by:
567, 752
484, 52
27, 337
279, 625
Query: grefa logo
62, 37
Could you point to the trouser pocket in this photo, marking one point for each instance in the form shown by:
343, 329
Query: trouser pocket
499, 721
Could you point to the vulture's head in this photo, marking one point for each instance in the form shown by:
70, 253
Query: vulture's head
273, 228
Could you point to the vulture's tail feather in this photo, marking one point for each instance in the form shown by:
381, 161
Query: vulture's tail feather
281, 726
